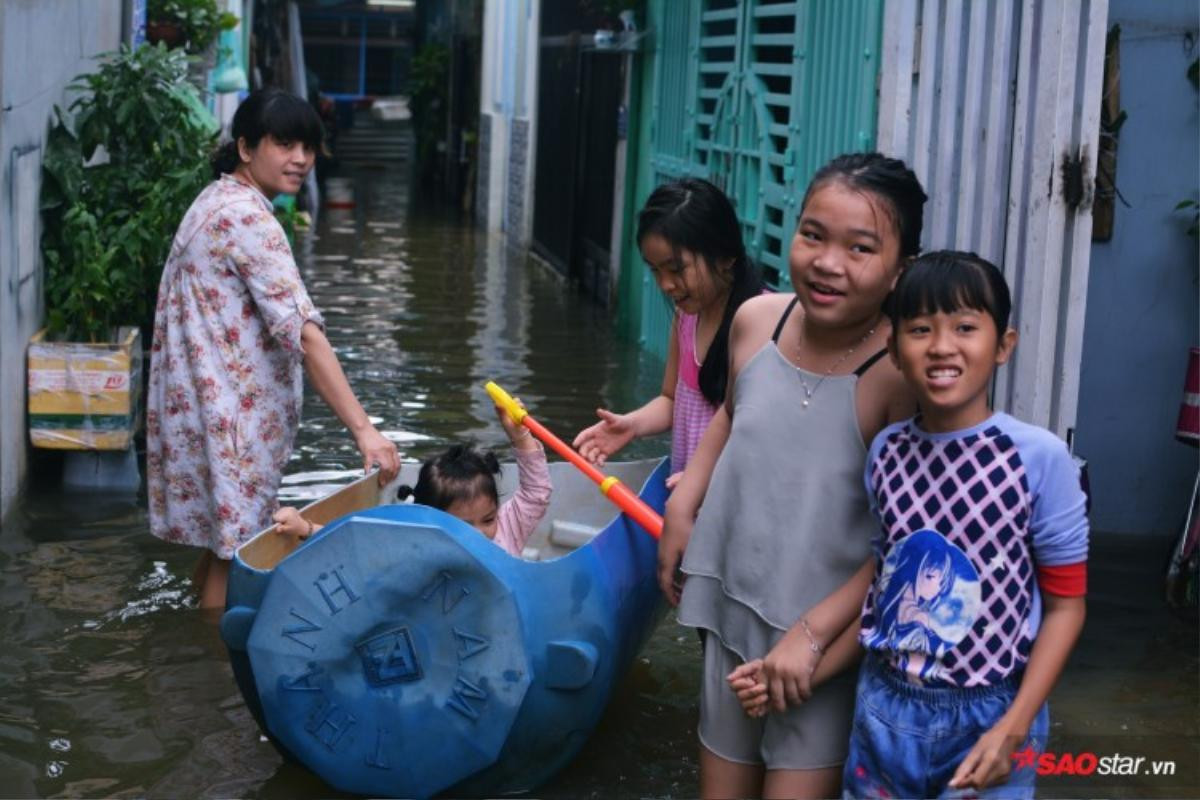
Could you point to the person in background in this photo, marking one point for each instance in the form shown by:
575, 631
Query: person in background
234, 334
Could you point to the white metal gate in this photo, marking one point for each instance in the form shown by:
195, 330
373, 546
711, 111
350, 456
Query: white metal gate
996, 105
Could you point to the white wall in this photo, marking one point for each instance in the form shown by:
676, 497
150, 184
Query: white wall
491, 112
508, 96
1142, 299
43, 45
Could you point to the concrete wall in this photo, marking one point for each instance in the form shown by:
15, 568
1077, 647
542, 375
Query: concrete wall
1142, 297
508, 101
43, 45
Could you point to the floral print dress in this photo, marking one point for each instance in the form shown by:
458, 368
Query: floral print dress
226, 374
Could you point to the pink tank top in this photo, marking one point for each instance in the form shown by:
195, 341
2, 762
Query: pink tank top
692, 411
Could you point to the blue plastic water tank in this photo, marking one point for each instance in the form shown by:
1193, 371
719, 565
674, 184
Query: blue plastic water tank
400, 653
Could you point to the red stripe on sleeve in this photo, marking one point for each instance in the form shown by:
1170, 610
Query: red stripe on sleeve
1064, 580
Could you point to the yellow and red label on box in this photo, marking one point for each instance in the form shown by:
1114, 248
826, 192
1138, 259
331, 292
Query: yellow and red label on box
84, 396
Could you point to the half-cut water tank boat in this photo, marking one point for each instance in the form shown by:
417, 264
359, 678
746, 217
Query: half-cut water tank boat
400, 653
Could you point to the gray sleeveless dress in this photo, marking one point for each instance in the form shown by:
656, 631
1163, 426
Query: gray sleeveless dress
785, 521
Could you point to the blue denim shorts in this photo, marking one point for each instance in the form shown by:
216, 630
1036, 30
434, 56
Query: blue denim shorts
907, 741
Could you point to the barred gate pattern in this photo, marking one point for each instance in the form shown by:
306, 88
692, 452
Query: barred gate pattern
755, 96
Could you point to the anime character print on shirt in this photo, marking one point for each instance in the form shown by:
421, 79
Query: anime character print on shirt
955, 581
927, 601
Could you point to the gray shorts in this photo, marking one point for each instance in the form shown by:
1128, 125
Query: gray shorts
814, 735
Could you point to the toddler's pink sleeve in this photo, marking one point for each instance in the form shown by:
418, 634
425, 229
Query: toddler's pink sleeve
520, 515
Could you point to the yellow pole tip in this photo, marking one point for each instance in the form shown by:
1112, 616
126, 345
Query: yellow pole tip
505, 401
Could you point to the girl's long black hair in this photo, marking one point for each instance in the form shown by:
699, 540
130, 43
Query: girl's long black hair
693, 214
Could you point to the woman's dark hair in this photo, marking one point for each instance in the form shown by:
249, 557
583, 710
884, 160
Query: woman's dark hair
694, 215
890, 180
460, 473
268, 112
949, 281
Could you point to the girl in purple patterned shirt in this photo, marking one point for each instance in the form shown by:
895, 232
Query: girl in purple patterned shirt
980, 563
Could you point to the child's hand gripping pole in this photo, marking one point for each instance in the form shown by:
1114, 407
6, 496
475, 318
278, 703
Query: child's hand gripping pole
620, 494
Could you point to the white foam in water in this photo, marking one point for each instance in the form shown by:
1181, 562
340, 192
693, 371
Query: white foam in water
323, 475
406, 436
163, 592
157, 577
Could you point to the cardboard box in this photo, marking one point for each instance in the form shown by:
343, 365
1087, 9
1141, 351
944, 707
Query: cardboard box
84, 396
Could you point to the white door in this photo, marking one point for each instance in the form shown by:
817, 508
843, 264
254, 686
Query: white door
996, 106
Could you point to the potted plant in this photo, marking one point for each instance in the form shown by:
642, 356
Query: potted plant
191, 24
117, 180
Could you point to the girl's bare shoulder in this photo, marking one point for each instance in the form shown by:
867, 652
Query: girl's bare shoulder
753, 325
885, 396
761, 313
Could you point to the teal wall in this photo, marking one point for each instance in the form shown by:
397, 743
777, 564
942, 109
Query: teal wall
754, 96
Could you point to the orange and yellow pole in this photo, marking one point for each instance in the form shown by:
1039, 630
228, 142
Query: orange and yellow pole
612, 488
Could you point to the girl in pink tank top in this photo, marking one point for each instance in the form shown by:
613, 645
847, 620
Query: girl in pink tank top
692, 411
691, 240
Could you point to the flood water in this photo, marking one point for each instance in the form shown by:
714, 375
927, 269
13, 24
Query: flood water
113, 684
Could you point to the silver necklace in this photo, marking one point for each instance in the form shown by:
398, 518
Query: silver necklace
808, 393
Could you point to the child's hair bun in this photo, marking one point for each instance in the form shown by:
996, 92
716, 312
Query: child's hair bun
458, 473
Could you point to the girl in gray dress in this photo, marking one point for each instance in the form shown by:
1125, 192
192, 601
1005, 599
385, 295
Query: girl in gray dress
771, 510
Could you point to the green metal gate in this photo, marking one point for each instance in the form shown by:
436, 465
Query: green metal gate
755, 96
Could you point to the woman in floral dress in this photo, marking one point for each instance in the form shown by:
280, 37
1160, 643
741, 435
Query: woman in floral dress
234, 334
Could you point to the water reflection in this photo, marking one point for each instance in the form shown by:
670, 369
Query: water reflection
112, 683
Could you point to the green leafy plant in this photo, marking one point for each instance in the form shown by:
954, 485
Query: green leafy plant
428, 84
199, 21
292, 220
118, 179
